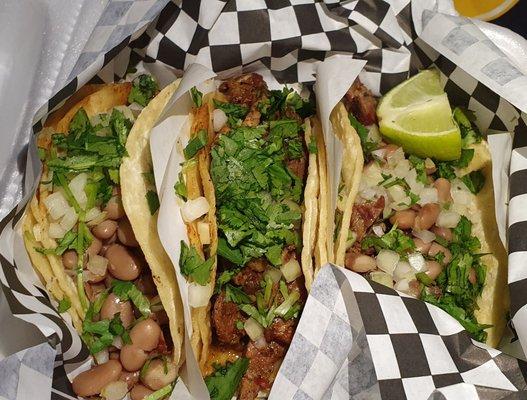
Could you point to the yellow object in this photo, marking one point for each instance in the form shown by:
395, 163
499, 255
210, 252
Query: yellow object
486, 10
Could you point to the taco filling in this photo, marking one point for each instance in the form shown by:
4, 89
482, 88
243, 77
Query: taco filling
416, 223
258, 157
82, 243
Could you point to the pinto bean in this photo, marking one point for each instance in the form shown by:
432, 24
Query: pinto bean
95, 247
472, 276
130, 378
132, 357
113, 305
159, 374
364, 264
69, 259
421, 246
443, 189
433, 269
139, 392
91, 382
445, 233
436, 248
114, 208
122, 264
125, 234
404, 219
427, 216
105, 229
146, 334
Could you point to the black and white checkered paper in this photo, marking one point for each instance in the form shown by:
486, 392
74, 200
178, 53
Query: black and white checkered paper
356, 339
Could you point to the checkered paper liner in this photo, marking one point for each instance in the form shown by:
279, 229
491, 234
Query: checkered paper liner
388, 346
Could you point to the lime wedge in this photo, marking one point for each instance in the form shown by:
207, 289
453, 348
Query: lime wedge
416, 115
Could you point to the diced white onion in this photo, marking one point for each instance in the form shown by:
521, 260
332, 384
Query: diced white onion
378, 230
401, 169
368, 193
448, 219
396, 157
428, 195
204, 232
219, 119
56, 231
461, 197
56, 204
387, 260
429, 164
92, 213
402, 286
459, 208
401, 205
382, 277
77, 186
397, 193
114, 390
291, 270
425, 236
126, 111
37, 232
379, 153
102, 356
371, 174
373, 133
253, 329
193, 209
69, 219
417, 261
260, 343
98, 219
415, 186
403, 270
97, 265
117, 342
136, 109
274, 273
198, 295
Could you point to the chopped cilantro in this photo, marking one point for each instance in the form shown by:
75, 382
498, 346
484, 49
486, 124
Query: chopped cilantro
196, 144
162, 393
225, 277
66, 243
469, 131
180, 188
128, 291
236, 295
395, 240
192, 264
64, 305
474, 181
419, 165
153, 201
367, 145
466, 156
424, 278
196, 96
445, 170
235, 112
144, 88
224, 382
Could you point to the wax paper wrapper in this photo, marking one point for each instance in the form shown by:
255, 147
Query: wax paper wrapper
389, 346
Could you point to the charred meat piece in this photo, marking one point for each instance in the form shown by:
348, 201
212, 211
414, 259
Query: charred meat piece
258, 264
246, 89
298, 167
361, 102
281, 331
263, 364
364, 215
225, 314
252, 118
249, 280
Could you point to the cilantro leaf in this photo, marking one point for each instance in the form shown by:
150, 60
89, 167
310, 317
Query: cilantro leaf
196, 144
180, 188
153, 201
236, 295
224, 382
192, 264
474, 181
445, 170
395, 240
469, 131
466, 156
64, 305
367, 145
419, 165
144, 88
235, 112
128, 291
196, 96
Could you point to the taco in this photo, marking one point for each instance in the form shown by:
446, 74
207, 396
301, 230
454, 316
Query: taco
249, 191
90, 232
423, 226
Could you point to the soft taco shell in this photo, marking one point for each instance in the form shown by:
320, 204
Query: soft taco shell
134, 187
